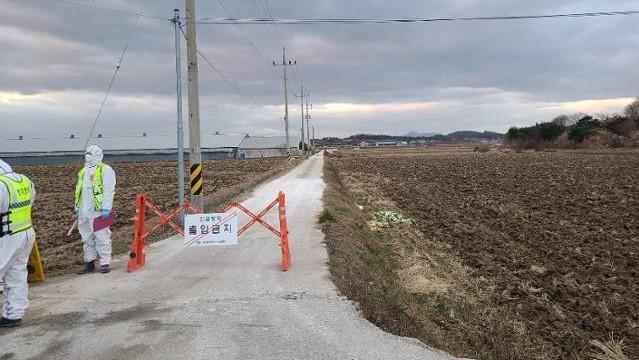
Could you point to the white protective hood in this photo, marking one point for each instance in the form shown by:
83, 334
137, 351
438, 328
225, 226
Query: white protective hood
93, 155
5, 168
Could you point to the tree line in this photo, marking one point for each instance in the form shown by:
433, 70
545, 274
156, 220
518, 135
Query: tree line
617, 129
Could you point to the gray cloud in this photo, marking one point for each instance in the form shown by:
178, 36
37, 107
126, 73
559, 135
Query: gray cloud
57, 61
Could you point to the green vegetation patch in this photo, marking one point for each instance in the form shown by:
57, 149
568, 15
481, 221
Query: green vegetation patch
393, 218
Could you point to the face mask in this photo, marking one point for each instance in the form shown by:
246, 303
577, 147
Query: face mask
93, 155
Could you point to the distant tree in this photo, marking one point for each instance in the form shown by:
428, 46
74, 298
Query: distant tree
574, 118
562, 120
584, 128
632, 112
534, 136
550, 131
620, 125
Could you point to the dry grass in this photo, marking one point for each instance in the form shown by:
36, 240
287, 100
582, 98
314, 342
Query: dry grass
612, 349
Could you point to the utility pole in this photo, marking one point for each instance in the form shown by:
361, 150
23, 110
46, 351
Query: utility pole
313, 142
285, 64
180, 125
195, 151
308, 129
302, 96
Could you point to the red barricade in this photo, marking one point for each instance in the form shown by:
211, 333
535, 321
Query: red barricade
137, 258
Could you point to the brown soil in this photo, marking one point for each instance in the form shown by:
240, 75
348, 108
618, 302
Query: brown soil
514, 256
55, 184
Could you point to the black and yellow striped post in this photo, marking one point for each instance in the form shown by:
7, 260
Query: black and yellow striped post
197, 179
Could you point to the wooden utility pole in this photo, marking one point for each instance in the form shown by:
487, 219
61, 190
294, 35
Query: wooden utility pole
180, 125
308, 129
302, 96
195, 151
285, 65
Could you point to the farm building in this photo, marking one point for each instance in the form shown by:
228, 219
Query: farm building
31, 150
382, 143
217, 146
253, 147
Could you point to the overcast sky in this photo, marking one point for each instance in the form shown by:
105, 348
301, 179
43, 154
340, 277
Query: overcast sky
57, 60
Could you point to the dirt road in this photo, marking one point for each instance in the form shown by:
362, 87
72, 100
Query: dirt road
212, 303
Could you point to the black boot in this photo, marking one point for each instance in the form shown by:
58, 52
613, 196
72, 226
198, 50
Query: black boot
88, 267
8, 323
104, 269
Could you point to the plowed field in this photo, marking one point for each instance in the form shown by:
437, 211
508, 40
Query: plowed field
548, 241
55, 184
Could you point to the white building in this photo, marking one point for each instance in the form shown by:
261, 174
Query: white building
31, 150
260, 147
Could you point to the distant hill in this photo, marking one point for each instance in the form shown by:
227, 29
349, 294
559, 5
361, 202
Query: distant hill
417, 134
471, 135
457, 136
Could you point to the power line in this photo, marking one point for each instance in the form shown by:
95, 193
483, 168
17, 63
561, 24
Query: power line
104, 9
238, 90
356, 21
270, 15
115, 74
272, 21
267, 8
233, 86
259, 13
255, 49
251, 44
268, 28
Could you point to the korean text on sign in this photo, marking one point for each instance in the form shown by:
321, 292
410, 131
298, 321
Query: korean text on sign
210, 229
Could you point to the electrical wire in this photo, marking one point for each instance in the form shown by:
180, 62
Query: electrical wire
355, 21
251, 44
352, 21
103, 9
233, 86
267, 8
115, 74
259, 13
236, 88
138, 15
270, 16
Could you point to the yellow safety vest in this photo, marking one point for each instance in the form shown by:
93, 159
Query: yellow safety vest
98, 188
18, 216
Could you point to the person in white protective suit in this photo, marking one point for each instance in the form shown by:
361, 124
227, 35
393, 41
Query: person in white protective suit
17, 236
94, 195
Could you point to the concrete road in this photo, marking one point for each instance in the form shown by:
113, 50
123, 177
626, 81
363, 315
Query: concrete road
212, 303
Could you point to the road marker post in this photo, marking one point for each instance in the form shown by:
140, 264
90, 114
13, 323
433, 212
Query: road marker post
286, 254
136, 256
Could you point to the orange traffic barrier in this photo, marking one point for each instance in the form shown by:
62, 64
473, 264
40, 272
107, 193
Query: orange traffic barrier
137, 258
282, 233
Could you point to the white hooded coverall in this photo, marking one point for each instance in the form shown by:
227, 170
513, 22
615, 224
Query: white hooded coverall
95, 242
14, 256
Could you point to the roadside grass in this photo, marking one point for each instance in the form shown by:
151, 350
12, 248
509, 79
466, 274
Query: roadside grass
610, 350
326, 215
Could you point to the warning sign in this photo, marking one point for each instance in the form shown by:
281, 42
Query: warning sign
210, 229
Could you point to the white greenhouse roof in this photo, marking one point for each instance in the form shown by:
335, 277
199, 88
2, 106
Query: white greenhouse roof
141, 144
270, 142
